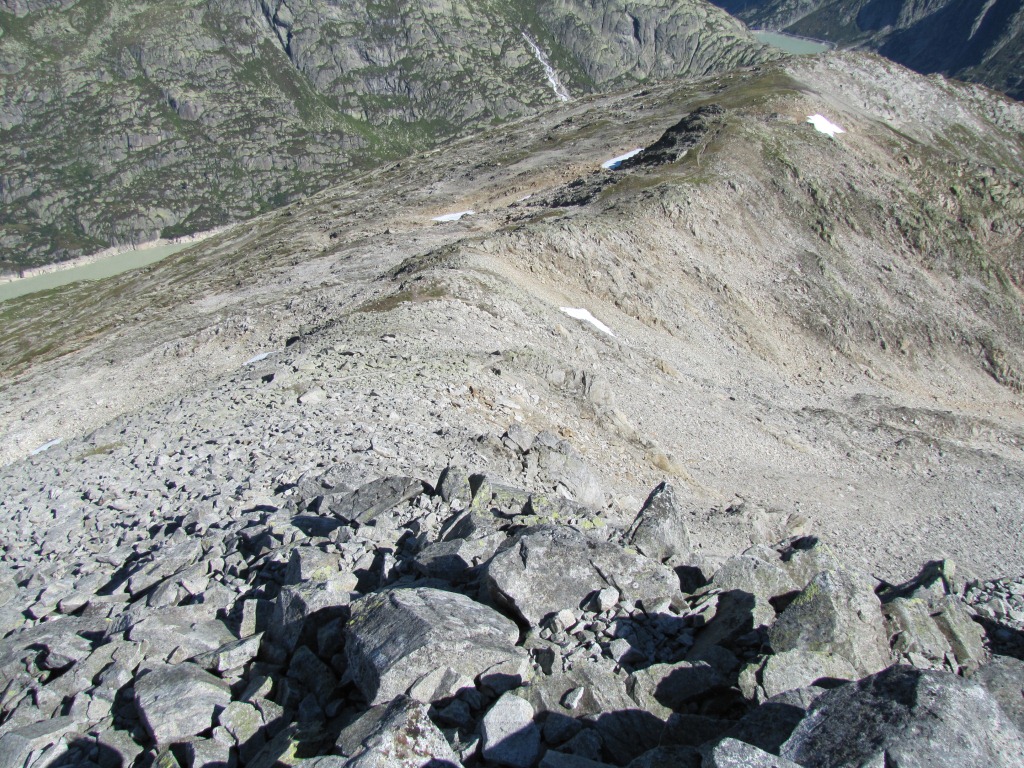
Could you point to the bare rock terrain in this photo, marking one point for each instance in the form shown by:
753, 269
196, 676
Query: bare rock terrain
319, 468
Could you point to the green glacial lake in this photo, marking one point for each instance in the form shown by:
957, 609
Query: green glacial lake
790, 44
97, 270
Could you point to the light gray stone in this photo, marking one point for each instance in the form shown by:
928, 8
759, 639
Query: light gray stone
509, 735
659, 530
429, 643
176, 702
730, 753
546, 569
799, 668
764, 580
907, 717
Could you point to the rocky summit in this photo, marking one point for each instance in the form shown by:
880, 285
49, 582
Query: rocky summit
520, 452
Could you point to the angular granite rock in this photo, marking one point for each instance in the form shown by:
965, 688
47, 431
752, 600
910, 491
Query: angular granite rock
838, 613
659, 530
399, 734
176, 702
548, 568
509, 735
907, 717
428, 643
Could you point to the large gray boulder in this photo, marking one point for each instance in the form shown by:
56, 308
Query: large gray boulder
838, 613
659, 530
906, 717
428, 643
399, 734
176, 702
764, 580
548, 568
796, 668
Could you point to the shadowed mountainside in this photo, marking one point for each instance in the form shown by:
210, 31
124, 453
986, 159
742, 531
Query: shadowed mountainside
980, 42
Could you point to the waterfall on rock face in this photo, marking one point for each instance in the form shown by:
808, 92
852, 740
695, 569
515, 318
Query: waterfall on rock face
556, 85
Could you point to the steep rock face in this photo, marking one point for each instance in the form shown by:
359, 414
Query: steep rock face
124, 122
982, 42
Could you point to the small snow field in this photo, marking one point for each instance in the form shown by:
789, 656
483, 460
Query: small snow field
611, 165
823, 125
46, 446
453, 216
582, 314
257, 358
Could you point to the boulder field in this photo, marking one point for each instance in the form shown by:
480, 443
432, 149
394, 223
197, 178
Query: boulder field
465, 622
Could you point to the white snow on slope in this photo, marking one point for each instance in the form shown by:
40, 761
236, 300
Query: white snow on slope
612, 164
257, 358
46, 446
453, 216
824, 125
556, 85
581, 314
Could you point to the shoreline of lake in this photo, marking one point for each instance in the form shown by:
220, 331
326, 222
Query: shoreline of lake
106, 253
97, 266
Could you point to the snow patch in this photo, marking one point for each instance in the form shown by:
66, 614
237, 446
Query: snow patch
453, 216
581, 314
46, 446
614, 163
257, 358
556, 85
824, 125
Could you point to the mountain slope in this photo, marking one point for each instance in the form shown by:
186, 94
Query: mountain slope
125, 121
804, 327
980, 42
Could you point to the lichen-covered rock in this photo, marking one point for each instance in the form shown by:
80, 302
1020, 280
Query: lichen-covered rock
428, 643
904, 716
837, 612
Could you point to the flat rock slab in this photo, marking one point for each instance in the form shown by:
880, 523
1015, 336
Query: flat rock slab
368, 501
548, 568
176, 702
428, 643
730, 753
907, 717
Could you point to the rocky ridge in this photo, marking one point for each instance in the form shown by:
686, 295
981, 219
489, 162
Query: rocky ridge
123, 122
719, 531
